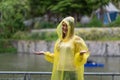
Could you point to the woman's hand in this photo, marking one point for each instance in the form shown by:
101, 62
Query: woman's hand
39, 53
82, 52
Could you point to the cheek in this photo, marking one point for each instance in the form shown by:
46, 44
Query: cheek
66, 28
62, 28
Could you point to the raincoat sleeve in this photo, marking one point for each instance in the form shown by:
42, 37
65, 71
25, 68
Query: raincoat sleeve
80, 46
49, 57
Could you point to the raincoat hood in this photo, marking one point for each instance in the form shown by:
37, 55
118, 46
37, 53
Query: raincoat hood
70, 25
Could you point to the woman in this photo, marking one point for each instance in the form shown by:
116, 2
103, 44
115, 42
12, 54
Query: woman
70, 53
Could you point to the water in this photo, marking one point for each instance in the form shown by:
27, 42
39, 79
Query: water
31, 62
23, 62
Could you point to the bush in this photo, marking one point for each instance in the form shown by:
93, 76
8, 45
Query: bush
95, 34
91, 34
47, 36
44, 25
6, 46
13, 15
115, 23
93, 23
20, 35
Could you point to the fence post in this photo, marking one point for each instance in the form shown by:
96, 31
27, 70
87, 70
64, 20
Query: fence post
113, 77
24, 76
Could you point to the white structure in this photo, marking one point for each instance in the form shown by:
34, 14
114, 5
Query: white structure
110, 13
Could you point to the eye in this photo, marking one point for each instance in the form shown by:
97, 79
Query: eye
64, 24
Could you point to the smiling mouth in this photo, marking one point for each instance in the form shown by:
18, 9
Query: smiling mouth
64, 31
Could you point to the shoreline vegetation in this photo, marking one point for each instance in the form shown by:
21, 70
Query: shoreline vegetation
6, 46
88, 34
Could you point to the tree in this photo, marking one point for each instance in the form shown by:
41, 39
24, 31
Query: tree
13, 14
39, 8
116, 2
64, 7
76, 7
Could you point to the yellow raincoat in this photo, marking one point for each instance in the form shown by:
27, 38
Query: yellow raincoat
68, 64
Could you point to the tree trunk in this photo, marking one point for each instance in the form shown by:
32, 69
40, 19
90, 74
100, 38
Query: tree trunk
102, 14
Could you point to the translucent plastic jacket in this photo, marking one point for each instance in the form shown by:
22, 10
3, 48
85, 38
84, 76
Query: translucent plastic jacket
66, 56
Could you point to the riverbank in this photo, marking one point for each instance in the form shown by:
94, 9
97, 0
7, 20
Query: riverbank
97, 48
100, 41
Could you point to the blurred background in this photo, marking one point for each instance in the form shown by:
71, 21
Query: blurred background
29, 25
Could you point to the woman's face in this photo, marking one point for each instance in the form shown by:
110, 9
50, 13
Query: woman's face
64, 28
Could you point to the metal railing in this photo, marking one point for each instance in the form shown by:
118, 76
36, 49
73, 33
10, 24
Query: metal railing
21, 75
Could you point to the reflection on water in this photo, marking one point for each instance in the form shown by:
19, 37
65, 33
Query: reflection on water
23, 62
31, 62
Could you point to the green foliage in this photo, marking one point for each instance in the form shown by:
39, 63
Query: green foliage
6, 46
44, 24
90, 34
115, 23
95, 34
20, 35
95, 23
47, 36
78, 24
39, 7
116, 2
64, 7
13, 14
78, 6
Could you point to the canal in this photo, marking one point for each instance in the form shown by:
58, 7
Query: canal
31, 62
23, 62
